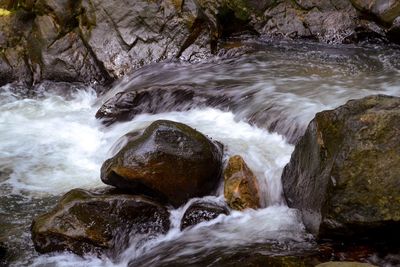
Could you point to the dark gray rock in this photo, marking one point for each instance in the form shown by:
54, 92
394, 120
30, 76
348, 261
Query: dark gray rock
202, 211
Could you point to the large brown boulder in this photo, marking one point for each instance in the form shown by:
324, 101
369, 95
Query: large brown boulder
344, 172
84, 222
169, 160
241, 188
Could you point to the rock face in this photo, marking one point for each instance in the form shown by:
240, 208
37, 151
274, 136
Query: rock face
343, 174
241, 188
96, 41
202, 211
100, 41
169, 160
85, 222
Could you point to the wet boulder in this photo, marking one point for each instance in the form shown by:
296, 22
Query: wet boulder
241, 188
87, 222
344, 172
202, 211
169, 160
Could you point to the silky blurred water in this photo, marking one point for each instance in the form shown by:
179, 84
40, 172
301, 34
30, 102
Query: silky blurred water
51, 142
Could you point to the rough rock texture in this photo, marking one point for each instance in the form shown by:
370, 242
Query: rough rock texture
344, 172
98, 41
84, 222
202, 211
169, 160
241, 188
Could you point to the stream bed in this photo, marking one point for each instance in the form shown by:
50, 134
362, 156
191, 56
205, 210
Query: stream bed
51, 142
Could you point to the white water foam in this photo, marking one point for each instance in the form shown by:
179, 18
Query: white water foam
53, 145
265, 153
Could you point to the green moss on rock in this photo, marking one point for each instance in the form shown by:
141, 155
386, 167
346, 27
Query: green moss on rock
343, 174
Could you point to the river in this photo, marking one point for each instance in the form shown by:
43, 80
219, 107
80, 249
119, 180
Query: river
50, 142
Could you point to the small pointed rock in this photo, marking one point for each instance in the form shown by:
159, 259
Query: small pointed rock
241, 188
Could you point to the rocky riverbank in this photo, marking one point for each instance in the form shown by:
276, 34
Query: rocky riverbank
100, 41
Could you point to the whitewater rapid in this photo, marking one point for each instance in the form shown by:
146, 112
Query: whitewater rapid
53, 143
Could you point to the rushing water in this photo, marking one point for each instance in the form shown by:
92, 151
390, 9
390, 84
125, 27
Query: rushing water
51, 143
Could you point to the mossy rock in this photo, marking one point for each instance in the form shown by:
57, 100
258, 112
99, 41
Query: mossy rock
86, 222
169, 160
344, 172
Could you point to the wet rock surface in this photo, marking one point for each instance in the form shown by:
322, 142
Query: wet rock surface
87, 222
125, 105
202, 211
343, 174
169, 160
100, 41
241, 188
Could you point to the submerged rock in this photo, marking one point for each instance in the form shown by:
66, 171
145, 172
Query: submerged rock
169, 160
84, 222
343, 174
241, 188
126, 105
202, 211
